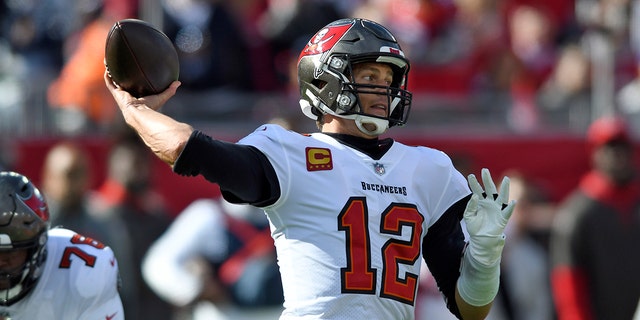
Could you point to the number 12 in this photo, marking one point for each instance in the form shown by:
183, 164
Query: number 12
358, 276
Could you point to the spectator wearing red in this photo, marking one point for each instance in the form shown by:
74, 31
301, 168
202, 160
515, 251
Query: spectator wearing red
596, 231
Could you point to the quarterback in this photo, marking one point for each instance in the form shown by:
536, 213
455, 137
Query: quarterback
351, 213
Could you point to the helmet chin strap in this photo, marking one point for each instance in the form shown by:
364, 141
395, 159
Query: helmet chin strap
379, 125
364, 121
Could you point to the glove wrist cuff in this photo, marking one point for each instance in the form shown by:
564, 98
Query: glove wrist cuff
478, 282
486, 250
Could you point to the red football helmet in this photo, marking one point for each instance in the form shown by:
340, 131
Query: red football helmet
24, 222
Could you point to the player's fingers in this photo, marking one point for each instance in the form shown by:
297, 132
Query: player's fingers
508, 211
475, 186
489, 186
165, 95
107, 80
472, 207
503, 195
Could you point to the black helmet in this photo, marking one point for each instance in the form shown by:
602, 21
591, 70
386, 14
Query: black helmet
325, 69
24, 222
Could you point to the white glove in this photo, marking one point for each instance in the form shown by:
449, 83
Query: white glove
486, 216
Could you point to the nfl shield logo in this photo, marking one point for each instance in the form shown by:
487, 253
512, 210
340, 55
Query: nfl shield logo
378, 168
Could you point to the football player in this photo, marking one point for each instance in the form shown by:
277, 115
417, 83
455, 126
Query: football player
50, 273
351, 213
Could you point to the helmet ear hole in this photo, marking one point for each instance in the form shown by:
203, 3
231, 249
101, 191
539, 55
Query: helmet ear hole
319, 83
25, 191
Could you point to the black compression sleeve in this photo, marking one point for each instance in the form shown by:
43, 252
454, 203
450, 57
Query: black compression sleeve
442, 250
242, 172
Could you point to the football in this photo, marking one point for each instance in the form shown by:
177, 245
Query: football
140, 58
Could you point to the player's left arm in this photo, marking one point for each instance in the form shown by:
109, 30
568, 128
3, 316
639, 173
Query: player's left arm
442, 248
486, 216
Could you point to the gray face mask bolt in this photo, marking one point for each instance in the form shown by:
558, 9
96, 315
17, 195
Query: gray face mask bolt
344, 101
336, 63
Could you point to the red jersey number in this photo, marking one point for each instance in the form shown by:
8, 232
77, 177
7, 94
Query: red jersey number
358, 276
89, 259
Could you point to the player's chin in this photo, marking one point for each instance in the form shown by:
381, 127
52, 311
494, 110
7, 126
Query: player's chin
9, 279
5, 284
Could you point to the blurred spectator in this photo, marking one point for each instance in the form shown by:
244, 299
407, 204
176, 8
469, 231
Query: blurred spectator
213, 41
217, 261
536, 211
37, 30
286, 23
12, 90
525, 292
531, 45
34, 32
283, 22
78, 98
565, 97
66, 179
130, 205
247, 15
452, 43
607, 33
596, 232
212, 50
611, 16
561, 16
628, 101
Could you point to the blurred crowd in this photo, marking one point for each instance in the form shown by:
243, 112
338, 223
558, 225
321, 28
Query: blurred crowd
527, 66
524, 65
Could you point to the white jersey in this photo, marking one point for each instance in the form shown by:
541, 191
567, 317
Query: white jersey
348, 229
79, 281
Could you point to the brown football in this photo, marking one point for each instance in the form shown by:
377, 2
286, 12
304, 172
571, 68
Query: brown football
140, 58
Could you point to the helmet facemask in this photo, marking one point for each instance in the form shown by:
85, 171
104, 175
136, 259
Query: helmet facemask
24, 277
397, 97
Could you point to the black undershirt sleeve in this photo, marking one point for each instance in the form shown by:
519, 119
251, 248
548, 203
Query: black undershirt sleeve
243, 173
442, 249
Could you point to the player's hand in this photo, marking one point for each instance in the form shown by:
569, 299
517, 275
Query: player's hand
124, 99
486, 216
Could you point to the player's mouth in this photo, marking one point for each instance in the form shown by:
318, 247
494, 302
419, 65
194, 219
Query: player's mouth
379, 110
